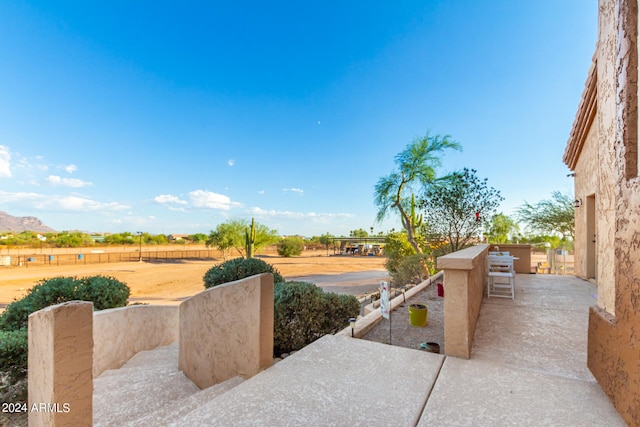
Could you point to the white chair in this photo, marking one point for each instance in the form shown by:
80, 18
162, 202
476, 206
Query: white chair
501, 267
499, 253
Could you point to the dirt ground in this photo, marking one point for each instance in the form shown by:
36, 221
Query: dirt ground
173, 281
399, 330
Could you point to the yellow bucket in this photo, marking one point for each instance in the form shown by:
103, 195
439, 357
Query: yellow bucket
418, 314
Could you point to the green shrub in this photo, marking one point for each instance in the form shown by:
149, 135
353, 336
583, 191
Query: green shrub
291, 246
338, 310
412, 269
304, 313
396, 248
236, 269
104, 292
13, 354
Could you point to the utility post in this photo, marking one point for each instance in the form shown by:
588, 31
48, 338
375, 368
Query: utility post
140, 250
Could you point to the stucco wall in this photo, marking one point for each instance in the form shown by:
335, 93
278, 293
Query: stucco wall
614, 326
227, 331
465, 274
120, 333
60, 378
606, 172
520, 251
586, 173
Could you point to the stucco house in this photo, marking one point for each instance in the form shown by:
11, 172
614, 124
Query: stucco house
602, 151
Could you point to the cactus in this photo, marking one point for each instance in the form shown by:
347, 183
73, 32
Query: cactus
416, 220
250, 239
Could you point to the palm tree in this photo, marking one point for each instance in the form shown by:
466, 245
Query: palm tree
417, 165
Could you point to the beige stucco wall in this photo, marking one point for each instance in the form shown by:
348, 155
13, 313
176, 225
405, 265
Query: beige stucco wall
60, 352
465, 274
586, 182
606, 171
521, 251
119, 333
613, 354
227, 331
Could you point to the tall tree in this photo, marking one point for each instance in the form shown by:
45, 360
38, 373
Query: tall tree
416, 171
458, 208
232, 235
550, 216
326, 239
501, 227
358, 233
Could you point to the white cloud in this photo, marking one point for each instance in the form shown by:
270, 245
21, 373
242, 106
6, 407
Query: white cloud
56, 202
26, 165
5, 161
81, 204
231, 162
7, 197
71, 168
208, 199
261, 192
299, 191
169, 199
298, 215
67, 182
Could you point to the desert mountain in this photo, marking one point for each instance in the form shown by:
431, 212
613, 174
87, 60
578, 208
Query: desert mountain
26, 223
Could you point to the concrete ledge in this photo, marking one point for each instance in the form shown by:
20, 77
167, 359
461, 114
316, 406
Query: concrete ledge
465, 259
333, 381
120, 333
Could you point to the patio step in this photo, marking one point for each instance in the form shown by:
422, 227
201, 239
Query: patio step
149, 390
171, 414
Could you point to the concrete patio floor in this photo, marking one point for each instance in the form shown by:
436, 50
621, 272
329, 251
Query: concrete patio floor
527, 367
528, 362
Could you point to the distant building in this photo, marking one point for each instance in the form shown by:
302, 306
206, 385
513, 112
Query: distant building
603, 152
177, 237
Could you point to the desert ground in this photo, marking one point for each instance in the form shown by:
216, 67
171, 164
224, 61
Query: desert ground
170, 282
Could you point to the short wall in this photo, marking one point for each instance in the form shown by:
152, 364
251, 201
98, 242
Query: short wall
523, 252
614, 360
60, 381
227, 331
120, 333
464, 282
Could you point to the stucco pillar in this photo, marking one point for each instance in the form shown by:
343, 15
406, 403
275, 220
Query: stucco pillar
60, 365
227, 331
464, 281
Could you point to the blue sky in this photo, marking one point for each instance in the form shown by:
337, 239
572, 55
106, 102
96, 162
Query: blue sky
172, 117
